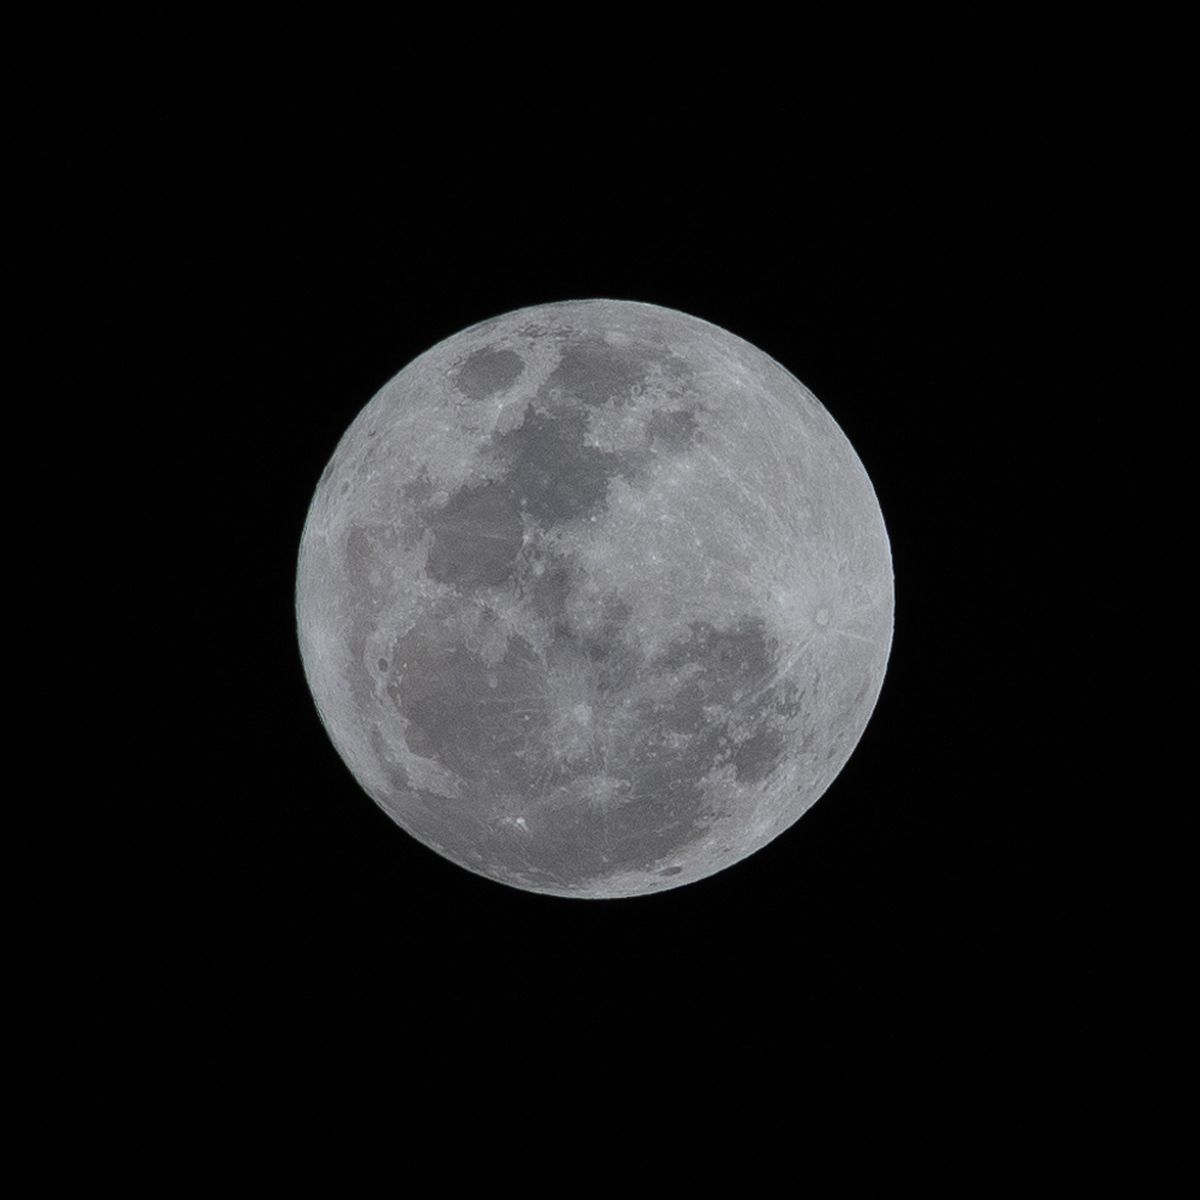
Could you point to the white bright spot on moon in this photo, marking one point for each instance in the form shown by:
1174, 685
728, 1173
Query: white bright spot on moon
594, 599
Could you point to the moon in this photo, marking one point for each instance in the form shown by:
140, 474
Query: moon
594, 599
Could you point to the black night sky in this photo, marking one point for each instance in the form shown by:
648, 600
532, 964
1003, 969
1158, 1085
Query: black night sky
912, 262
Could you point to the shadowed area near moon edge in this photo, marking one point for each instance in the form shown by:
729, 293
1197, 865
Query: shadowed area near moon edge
530, 718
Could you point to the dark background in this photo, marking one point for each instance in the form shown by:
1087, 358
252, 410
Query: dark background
920, 252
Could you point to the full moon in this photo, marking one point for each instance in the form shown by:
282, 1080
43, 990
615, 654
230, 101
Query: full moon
594, 599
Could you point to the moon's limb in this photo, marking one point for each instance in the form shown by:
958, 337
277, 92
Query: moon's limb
594, 598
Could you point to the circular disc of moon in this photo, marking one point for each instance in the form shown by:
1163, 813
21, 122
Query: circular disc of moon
594, 599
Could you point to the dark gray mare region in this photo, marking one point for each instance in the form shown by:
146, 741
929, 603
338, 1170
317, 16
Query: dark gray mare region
488, 371
549, 475
635, 797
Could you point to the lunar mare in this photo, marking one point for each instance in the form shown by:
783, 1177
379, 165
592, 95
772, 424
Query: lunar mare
594, 599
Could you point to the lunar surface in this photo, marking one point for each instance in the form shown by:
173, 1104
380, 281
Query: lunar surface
595, 599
